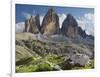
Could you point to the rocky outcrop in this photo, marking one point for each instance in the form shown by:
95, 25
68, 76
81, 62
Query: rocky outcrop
50, 24
32, 25
76, 60
81, 32
79, 59
70, 27
90, 37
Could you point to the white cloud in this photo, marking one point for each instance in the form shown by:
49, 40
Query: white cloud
26, 15
41, 19
20, 27
81, 23
61, 19
86, 22
89, 16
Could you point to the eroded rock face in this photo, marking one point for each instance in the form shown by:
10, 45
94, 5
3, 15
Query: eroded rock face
50, 24
81, 32
32, 25
70, 26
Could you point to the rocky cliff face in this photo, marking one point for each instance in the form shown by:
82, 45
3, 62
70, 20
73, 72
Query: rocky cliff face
70, 26
32, 25
50, 24
82, 33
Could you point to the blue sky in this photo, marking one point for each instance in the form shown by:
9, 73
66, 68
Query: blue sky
84, 16
33, 9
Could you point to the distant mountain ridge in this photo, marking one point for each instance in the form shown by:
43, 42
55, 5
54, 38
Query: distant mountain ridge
50, 26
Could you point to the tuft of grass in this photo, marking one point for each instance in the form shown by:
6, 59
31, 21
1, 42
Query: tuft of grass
36, 64
24, 68
53, 58
44, 67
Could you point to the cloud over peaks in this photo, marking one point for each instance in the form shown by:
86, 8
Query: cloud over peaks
19, 27
61, 19
86, 22
26, 15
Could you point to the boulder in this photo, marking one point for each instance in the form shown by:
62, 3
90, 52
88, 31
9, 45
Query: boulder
79, 59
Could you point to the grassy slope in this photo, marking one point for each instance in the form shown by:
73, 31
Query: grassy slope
29, 61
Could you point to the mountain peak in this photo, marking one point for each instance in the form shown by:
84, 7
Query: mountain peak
32, 25
70, 26
50, 24
69, 16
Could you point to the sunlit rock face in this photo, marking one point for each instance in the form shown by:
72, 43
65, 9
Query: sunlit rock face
50, 24
32, 25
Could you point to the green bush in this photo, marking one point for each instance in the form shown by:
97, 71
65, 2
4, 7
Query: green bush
53, 58
34, 68
24, 61
44, 67
34, 64
23, 69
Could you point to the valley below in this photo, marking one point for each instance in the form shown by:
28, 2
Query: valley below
34, 53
